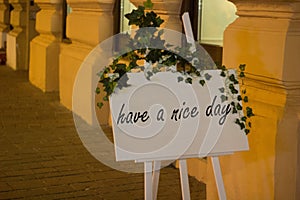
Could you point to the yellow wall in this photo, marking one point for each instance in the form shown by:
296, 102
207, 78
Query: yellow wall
4, 21
44, 55
88, 24
260, 37
17, 45
265, 37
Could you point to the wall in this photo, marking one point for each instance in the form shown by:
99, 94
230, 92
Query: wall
88, 24
45, 48
4, 21
266, 37
19, 37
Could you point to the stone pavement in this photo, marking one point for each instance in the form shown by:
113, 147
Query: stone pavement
42, 157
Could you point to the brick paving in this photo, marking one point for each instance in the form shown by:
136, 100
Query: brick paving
42, 157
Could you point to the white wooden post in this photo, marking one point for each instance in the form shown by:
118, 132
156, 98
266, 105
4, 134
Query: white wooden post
188, 30
184, 180
155, 178
218, 177
148, 180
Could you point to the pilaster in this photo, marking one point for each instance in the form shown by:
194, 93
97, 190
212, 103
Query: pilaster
45, 48
169, 10
266, 37
89, 23
4, 21
16, 38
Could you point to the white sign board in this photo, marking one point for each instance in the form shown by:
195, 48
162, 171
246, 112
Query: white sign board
163, 119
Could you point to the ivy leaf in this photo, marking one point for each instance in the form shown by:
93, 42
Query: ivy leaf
189, 80
148, 4
222, 74
223, 68
99, 104
249, 124
179, 79
244, 119
234, 110
244, 91
239, 98
100, 74
202, 82
198, 73
242, 74
224, 98
160, 32
232, 89
249, 112
233, 79
245, 99
105, 98
159, 21
247, 131
97, 90
241, 124
149, 74
207, 76
121, 67
136, 16
242, 67
239, 107
222, 89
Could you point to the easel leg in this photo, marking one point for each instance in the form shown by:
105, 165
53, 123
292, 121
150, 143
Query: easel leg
218, 177
184, 179
155, 178
148, 180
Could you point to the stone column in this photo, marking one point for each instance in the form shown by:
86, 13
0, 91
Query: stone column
266, 37
45, 48
16, 38
4, 21
89, 23
169, 10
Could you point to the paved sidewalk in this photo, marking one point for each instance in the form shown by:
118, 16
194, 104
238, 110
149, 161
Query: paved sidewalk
42, 157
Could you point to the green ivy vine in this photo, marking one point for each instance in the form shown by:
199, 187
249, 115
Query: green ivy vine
163, 60
230, 92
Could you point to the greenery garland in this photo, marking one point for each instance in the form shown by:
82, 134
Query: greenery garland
162, 59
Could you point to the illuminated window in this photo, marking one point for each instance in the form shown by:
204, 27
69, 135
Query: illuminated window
126, 7
216, 15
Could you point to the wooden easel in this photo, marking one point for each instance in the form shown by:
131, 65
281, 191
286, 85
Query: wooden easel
152, 173
152, 168
151, 179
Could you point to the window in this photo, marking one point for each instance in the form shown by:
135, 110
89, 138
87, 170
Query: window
215, 17
126, 7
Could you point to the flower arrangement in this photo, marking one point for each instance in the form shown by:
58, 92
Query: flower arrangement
162, 59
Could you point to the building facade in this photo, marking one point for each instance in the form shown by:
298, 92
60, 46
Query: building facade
265, 36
